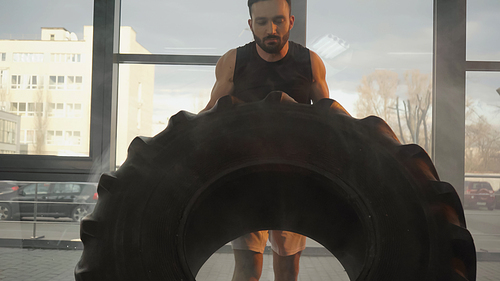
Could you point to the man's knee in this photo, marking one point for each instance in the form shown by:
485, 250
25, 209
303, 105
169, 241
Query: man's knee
286, 267
248, 265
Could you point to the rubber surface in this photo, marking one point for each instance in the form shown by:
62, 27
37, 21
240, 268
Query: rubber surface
377, 205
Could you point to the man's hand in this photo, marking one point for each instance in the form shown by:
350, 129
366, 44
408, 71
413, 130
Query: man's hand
319, 86
224, 71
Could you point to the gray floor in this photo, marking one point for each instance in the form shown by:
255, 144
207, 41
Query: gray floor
38, 265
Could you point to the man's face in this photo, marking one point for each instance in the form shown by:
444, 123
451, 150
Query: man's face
271, 24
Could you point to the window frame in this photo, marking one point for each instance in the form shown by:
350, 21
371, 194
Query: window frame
103, 114
450, 66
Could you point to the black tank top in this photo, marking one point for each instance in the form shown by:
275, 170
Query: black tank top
254, 77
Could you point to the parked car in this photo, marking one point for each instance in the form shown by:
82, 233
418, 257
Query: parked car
479, 193
66, 199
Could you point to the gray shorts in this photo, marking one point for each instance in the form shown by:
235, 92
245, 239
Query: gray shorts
284, 243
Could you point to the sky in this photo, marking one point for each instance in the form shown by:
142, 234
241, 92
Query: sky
383, 34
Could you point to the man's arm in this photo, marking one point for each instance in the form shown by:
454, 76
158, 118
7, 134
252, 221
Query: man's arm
319, 86
224, 71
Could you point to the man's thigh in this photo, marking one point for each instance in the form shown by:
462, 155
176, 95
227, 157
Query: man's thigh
286, 243
255, 241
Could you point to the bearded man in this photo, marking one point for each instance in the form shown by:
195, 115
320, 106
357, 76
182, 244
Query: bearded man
269, 63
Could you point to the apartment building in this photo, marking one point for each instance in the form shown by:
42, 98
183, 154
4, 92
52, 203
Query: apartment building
47, 83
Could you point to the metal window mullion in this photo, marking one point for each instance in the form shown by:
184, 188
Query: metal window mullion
163, 59
448, 108
104, 85
298, 33
483, 66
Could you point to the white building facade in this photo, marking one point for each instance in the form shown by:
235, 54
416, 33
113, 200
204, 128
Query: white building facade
47, 83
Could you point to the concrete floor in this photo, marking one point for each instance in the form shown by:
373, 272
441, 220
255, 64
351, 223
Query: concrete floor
18, 264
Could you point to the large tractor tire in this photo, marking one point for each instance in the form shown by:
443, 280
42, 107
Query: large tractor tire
375, 204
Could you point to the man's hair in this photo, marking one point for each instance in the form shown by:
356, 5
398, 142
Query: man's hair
251, 2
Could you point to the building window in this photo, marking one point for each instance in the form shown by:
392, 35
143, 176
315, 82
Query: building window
63, 137
56, 110
32, 82
65, 82
72, 138
56, 83
74, 83
27, 108
61, 110
28, 136
7, 132
3, 56
74, 110
57, 57
25, 82
28, 57
52, 37
16, 82
55, 137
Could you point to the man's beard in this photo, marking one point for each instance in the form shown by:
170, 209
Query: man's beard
275, 48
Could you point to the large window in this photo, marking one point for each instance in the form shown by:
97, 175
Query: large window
378, 61
46, 77
165, 63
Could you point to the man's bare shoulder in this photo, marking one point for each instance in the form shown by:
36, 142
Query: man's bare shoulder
228, 59
319, 87
225, 65
315, 59
230, 55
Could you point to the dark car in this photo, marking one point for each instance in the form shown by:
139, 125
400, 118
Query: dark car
66, 199
479, 193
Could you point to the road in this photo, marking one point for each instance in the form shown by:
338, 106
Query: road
485, 228
51, 229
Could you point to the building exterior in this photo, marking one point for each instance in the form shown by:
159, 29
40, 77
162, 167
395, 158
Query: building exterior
47, 83
10, 126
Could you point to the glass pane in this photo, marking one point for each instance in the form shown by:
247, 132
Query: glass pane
149, 95
483, 123
482, 31
183, 27
378, 56
42, 214
482, 164
38, 78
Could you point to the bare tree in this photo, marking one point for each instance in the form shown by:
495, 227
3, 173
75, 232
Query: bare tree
410, 114
4, 101
378, 94
416, 106
482, 142
41, 121
4, 93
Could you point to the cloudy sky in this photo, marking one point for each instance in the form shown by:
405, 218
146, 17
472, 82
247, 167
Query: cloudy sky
382, 34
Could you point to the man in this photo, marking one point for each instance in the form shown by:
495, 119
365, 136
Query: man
270, 63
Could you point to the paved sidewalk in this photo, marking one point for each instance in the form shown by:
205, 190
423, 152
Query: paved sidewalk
46, 265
